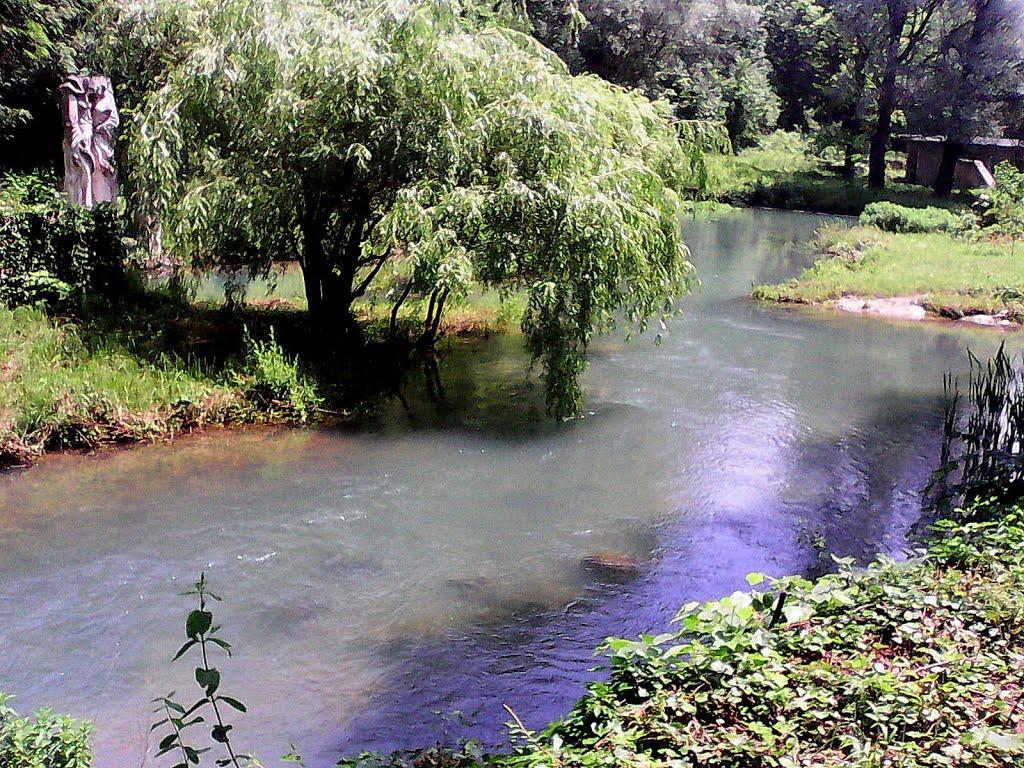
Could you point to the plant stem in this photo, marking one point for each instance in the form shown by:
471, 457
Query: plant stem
216, 710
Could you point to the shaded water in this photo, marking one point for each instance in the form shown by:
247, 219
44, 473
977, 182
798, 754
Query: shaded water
430, 562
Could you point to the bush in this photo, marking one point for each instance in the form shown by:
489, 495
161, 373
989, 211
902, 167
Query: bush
48, 741
271, 380
890, 217
1001, 210
52, 252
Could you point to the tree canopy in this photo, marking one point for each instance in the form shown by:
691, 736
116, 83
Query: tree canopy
409, 152
706, 57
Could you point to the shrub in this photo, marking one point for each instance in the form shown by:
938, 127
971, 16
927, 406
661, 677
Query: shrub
271, 380
1001, 210
47, 741
52, 252
890, 217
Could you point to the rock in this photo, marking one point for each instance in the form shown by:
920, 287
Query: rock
851, 304
618, 563
990, 321
896, 309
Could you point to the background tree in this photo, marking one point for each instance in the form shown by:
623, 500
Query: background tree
409, 153
706, 57
35, 49
804, 50
968, 83
893, 36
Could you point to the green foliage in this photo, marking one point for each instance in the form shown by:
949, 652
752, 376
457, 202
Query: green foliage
52, 252
911, 664
60, 389
46, 741
203, 639
408, 151
707, 59
35, 47
890, 217
271, 380
1002, 208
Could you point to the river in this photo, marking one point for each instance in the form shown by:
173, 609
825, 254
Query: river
395, 584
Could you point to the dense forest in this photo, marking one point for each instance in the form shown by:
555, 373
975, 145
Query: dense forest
849, 73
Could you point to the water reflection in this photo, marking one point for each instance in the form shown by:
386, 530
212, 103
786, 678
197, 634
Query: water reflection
431, 559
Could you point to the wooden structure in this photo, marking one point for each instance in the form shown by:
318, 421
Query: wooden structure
974, 170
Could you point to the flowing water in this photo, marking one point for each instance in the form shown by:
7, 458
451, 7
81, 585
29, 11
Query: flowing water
394, 585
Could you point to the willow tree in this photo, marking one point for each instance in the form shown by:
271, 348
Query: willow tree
415, 147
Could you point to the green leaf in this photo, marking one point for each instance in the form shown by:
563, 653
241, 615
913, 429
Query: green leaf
232, 703
198, 623
184, 649
209, 679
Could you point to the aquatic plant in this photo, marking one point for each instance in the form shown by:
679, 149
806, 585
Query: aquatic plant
203, 637
982, 454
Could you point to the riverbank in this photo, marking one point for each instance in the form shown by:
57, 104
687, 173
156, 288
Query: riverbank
783, 172
160, 367
910, 663
906, 276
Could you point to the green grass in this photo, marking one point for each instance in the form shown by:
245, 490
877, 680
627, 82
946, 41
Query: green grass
157, 365
954, 276
57, 391
784, 173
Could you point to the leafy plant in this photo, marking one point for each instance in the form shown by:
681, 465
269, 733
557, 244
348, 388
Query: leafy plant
46, 741
272, 380
203, 638
1002, 208
52, 252
890, 217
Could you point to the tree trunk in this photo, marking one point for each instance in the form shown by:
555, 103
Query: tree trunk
849, 169
898, 15
328, 295
880, 136
952, 151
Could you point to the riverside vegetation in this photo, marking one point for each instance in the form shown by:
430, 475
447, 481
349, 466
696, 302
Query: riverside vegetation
955, 263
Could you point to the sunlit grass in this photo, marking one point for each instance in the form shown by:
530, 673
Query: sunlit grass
952, 275
784, 172
56, 390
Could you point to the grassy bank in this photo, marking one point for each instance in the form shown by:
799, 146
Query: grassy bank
58, 391
161, 365
783, 172
951, 276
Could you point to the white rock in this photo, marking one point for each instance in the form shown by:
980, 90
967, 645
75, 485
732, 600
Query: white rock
987, 320
850, 304
896, 309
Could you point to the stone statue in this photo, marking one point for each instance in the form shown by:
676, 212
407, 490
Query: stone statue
90, 127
